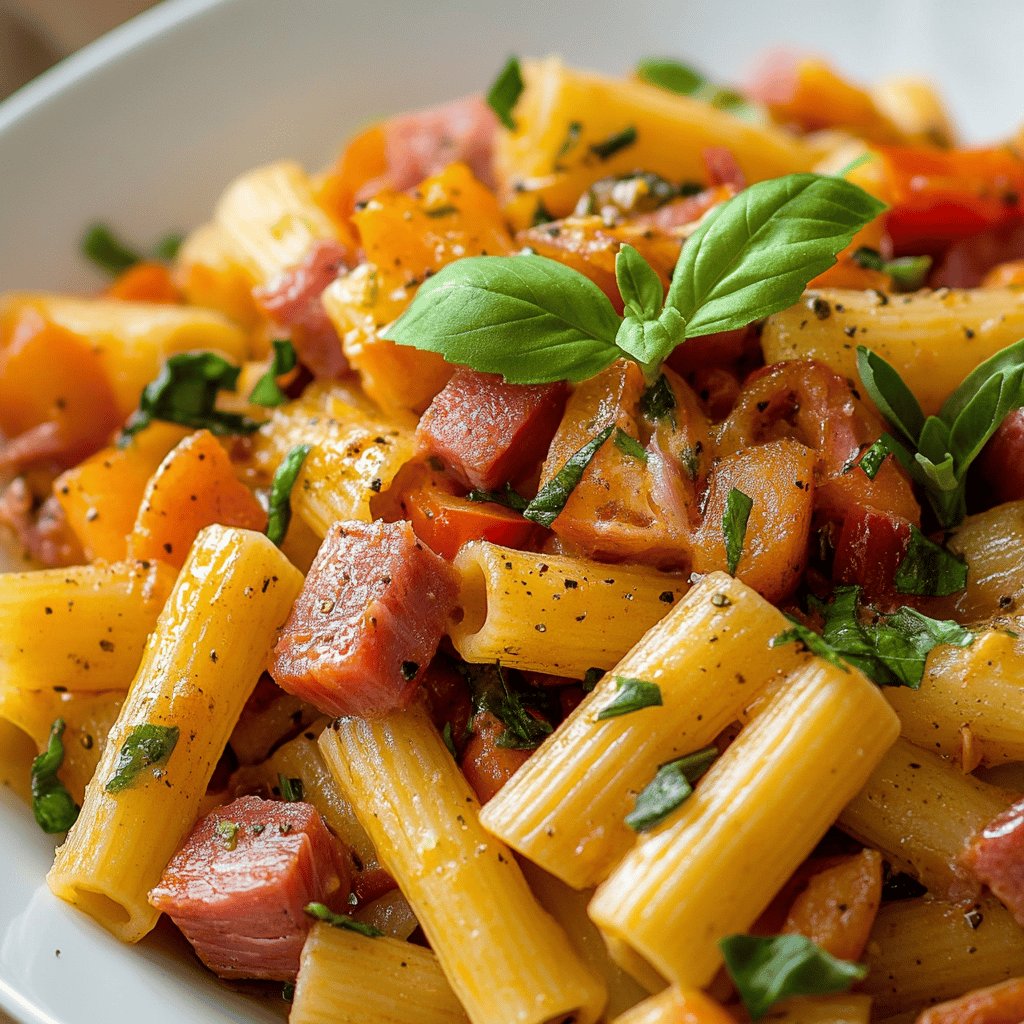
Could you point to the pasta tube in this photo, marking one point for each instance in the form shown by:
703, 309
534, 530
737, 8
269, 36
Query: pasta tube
554, 613
82, 628
933, 339
714, 866
676, 1006
710, 656
346, 978
463, 885
200, 665
925, 950
920, 811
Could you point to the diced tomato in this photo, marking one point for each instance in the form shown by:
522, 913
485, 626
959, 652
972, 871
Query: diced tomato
487, 765
445, 521
367, 622
986, 259
997, 1004
239, 886
1002, 461
145, 282
487, 432
870, 548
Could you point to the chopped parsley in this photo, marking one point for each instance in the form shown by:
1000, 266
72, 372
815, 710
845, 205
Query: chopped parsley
631, 695
146, 746
491, 692
659, 400
228, 832
505, 91
671, 786
551, 498
291, 788
929, 569
629, 445
607, 148
734, 526
54, 809
908, 273
267, 392
279, 513
508, 497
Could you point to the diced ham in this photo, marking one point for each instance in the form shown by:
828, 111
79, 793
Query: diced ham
368, 621
487, 432
239, 886
997, 1004
995, 856
423, 143
1002, 460
43, 533
293, 302
723, 168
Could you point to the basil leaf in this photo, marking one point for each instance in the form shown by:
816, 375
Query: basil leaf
659, 400
107, 251
504, 93
291, 788
323, 913
734, 526
1006, 362
449, 740
629, 445
648, 341
871, 459
894, 399
509, 497
671, 75
908, 273
185, 392
631, 695
551, 498
671, 786
607, 148
766, 970
798, 633
529, 318
168, 247
639, 285
929, 570
146, 746
266, 392
754, 254
54, 809
490, 692
279, 513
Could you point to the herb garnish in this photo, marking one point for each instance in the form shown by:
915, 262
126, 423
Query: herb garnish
671, 786
928, 569
908, 273
870, 460
146, 746
113, 256
607, 148
267, 392
185, 392
52, 804
688, 81
631, 695
535, 320
551, 498
505, 92
658, 400
940, 449
228, 832
767, 970
328, 916
734, 526
291, 788
491, 692
629, 445
279, 512
509, 497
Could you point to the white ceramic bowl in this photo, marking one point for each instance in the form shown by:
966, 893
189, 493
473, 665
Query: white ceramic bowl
144, 128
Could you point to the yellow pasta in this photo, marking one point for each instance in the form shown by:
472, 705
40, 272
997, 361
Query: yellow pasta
710, 656
390, 914
345, 978
925, 950
532, 165
554, 613
463, 885
920, 811
676, 1006
201, 664
713, 866
849, 1008
933, 339
917, 109
80, 628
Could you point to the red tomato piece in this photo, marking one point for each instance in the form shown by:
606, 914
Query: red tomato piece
445, 522
870, 548
486, 765
1002, 460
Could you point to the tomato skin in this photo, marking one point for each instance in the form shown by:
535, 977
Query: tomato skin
486, 765
869, 550
1001, 463
445, 522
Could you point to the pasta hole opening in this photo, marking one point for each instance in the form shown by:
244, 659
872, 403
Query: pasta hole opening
470, 614
102, 908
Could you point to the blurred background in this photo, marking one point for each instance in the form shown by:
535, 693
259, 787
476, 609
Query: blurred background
36, 33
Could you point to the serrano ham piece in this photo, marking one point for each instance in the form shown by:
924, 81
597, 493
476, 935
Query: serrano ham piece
995, 857
293, 302
239, 886
487, 432
368, 621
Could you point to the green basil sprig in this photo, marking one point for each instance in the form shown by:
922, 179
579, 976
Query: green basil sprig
53, 806
937, 451
535, 320
768, 969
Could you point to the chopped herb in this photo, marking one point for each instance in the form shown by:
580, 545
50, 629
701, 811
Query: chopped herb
629, 445
871, 460
551, 498
572, 138
449, 742
509, 497
631, 695
292, 789
768, 969
627, 194
168, 247
491, 692
146, 746
185, 392
505, 92
591, 678
908, 273
798, 633
607, 148
328, 916
442, 211
541, 215
107, 251
659, 400
671, 786
734, 526
266, 392
929, 570
279, 513
228, 831
52, 804
688, 81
